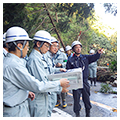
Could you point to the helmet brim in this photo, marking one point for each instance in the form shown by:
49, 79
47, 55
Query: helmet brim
27, 39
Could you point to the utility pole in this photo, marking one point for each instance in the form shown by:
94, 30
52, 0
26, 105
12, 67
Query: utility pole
54, 26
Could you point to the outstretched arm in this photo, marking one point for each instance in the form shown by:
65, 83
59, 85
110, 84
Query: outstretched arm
95, 57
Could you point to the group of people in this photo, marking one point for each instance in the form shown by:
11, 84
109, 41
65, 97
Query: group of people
27, 91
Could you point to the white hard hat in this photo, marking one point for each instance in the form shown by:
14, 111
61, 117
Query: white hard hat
43, 35
92, 51
16, 33
4, 36
61, 49
68, 48
76, 43
53, 39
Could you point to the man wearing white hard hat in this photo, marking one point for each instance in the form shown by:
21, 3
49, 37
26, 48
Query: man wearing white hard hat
92, 69
17, 81
82, 61
68, 50
57, 60
38, 67
61, 49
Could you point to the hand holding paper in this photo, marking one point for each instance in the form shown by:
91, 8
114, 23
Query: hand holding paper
73, 75
64, 83
63, 70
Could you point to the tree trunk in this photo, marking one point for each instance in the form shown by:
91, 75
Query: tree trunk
56, 17
54, 26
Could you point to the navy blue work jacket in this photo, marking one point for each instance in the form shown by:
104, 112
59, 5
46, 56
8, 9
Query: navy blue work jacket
82, 62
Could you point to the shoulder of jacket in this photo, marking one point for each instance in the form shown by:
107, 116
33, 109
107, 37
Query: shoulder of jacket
84, 56
71, 59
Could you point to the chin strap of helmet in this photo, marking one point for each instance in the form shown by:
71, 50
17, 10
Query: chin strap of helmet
41, 46
77, 53
20, 48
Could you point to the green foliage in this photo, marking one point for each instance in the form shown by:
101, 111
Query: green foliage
109, 45
113, 66
26, 15
105, 88
69, 18
31, 15
111, 8
81, 10
13, 15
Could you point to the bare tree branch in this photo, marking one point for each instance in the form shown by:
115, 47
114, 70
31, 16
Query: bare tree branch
36, 11
39, 25
51, 29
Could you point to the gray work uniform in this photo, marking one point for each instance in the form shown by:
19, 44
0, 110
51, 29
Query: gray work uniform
53, 95
53, 59
93, 70
37, 66
17, 82
4, 53
59, 57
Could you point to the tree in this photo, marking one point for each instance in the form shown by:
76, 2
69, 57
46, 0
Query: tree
111, 8
33, 16
82, 10
108, 44
69, 19
13, 14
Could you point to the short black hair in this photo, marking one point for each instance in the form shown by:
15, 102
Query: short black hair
12, 46
4, 44
35, 43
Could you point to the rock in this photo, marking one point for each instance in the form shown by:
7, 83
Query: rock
104, 74
114, 84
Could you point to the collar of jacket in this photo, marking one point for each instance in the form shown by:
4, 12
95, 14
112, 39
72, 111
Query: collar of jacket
78, 57
56, 55
21, 61
37, 53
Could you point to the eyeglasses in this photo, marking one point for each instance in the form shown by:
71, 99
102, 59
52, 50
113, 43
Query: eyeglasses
47, 46
77, 47
28, 47
57, 46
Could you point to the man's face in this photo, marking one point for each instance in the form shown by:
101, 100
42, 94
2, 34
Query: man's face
77, 49
25, 49
45, 48
91, 53
54, 47
69, 52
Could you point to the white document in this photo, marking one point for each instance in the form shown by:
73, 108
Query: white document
73, 75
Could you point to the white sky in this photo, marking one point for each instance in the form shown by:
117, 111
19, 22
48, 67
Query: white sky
106, 18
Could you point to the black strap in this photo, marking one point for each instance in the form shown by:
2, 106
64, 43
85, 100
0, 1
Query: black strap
20, 48
41, 46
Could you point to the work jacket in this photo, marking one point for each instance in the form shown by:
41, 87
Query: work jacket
93, 65
52, 69
82, 61
17, 82
38, 67
4, 53
52, 60
59, 57
70, 55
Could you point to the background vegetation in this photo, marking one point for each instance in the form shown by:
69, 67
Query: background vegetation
69, 19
